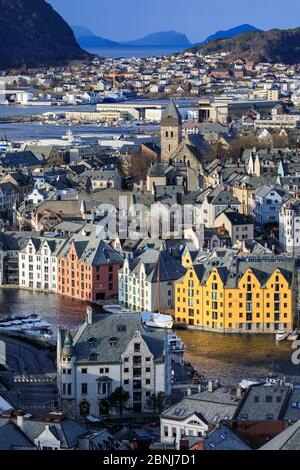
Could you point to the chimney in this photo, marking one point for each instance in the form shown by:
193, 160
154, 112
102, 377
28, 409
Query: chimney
189, 392
199, 388
210, 387
89, 315
239, 392
20, 418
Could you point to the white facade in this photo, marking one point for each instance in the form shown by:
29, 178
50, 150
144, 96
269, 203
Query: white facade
85, 385
267, 204
36, 197
172, 430
289, 226
38, 264
140, 294
208, 212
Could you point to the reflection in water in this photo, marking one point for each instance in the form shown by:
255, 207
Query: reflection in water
230, 358
56, 309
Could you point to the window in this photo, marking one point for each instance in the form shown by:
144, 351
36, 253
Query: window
84, 371
137, 347
84, 389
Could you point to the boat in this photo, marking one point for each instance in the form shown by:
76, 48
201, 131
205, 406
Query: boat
175, 343
281, 335
115, 309
293, 336
157, 320
18, 324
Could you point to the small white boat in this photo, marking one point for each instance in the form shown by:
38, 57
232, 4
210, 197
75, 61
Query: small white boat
157, 320
281, 335
175, 343
293, 336
115, 309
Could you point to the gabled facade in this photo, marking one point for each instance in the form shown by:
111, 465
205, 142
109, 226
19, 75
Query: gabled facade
88, 267
241, 297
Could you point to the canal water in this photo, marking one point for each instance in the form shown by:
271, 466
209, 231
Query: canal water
230, 358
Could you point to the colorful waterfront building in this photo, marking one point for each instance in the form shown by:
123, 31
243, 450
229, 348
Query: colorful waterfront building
88, 267
232, 294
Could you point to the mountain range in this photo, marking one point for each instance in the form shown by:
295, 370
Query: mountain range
161, 39
32, 34
273, 46
164, 38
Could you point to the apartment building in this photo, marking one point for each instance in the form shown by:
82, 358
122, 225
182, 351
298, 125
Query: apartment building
234, 294
289, 225
108, 352
88, 267
139, 280
38, 262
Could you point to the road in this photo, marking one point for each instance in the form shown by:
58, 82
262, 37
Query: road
34, 376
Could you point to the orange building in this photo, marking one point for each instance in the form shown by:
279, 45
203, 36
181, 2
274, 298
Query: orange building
88, 269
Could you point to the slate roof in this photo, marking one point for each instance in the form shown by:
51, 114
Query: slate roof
264, 403
235, 218
12, 438
91, 249
67, 430
169, 268
231, 268
224, 438
120, 326
17, 159
212, 407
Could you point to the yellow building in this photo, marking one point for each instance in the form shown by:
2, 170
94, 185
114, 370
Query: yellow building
236, 295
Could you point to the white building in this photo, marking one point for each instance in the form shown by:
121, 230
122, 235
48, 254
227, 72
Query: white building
38, 263
289, 225
212, 202
138, 281
108, 352
268, 200
36, 196
195, 414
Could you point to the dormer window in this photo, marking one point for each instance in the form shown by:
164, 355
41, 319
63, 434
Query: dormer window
92, 342
93, 357
113, 342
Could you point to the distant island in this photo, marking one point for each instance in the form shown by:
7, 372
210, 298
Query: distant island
161, 39
87, 39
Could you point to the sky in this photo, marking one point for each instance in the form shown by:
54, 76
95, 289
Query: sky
131, 19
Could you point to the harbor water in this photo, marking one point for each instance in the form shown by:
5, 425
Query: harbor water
230, 358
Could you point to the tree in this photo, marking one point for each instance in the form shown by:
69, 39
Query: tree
119, 397
157, 402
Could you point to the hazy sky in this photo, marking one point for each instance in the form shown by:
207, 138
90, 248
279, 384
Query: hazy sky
130, 19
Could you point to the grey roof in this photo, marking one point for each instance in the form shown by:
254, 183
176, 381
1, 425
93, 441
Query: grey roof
172, 112
12, 438
231, 268
169, 268
286, 440
67, 431
121, 327
264, 403
219, 196
224, 438
211, 407
92, 249
292, 412
235, 218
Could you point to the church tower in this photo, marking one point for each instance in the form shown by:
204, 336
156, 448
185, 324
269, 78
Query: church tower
170, 131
